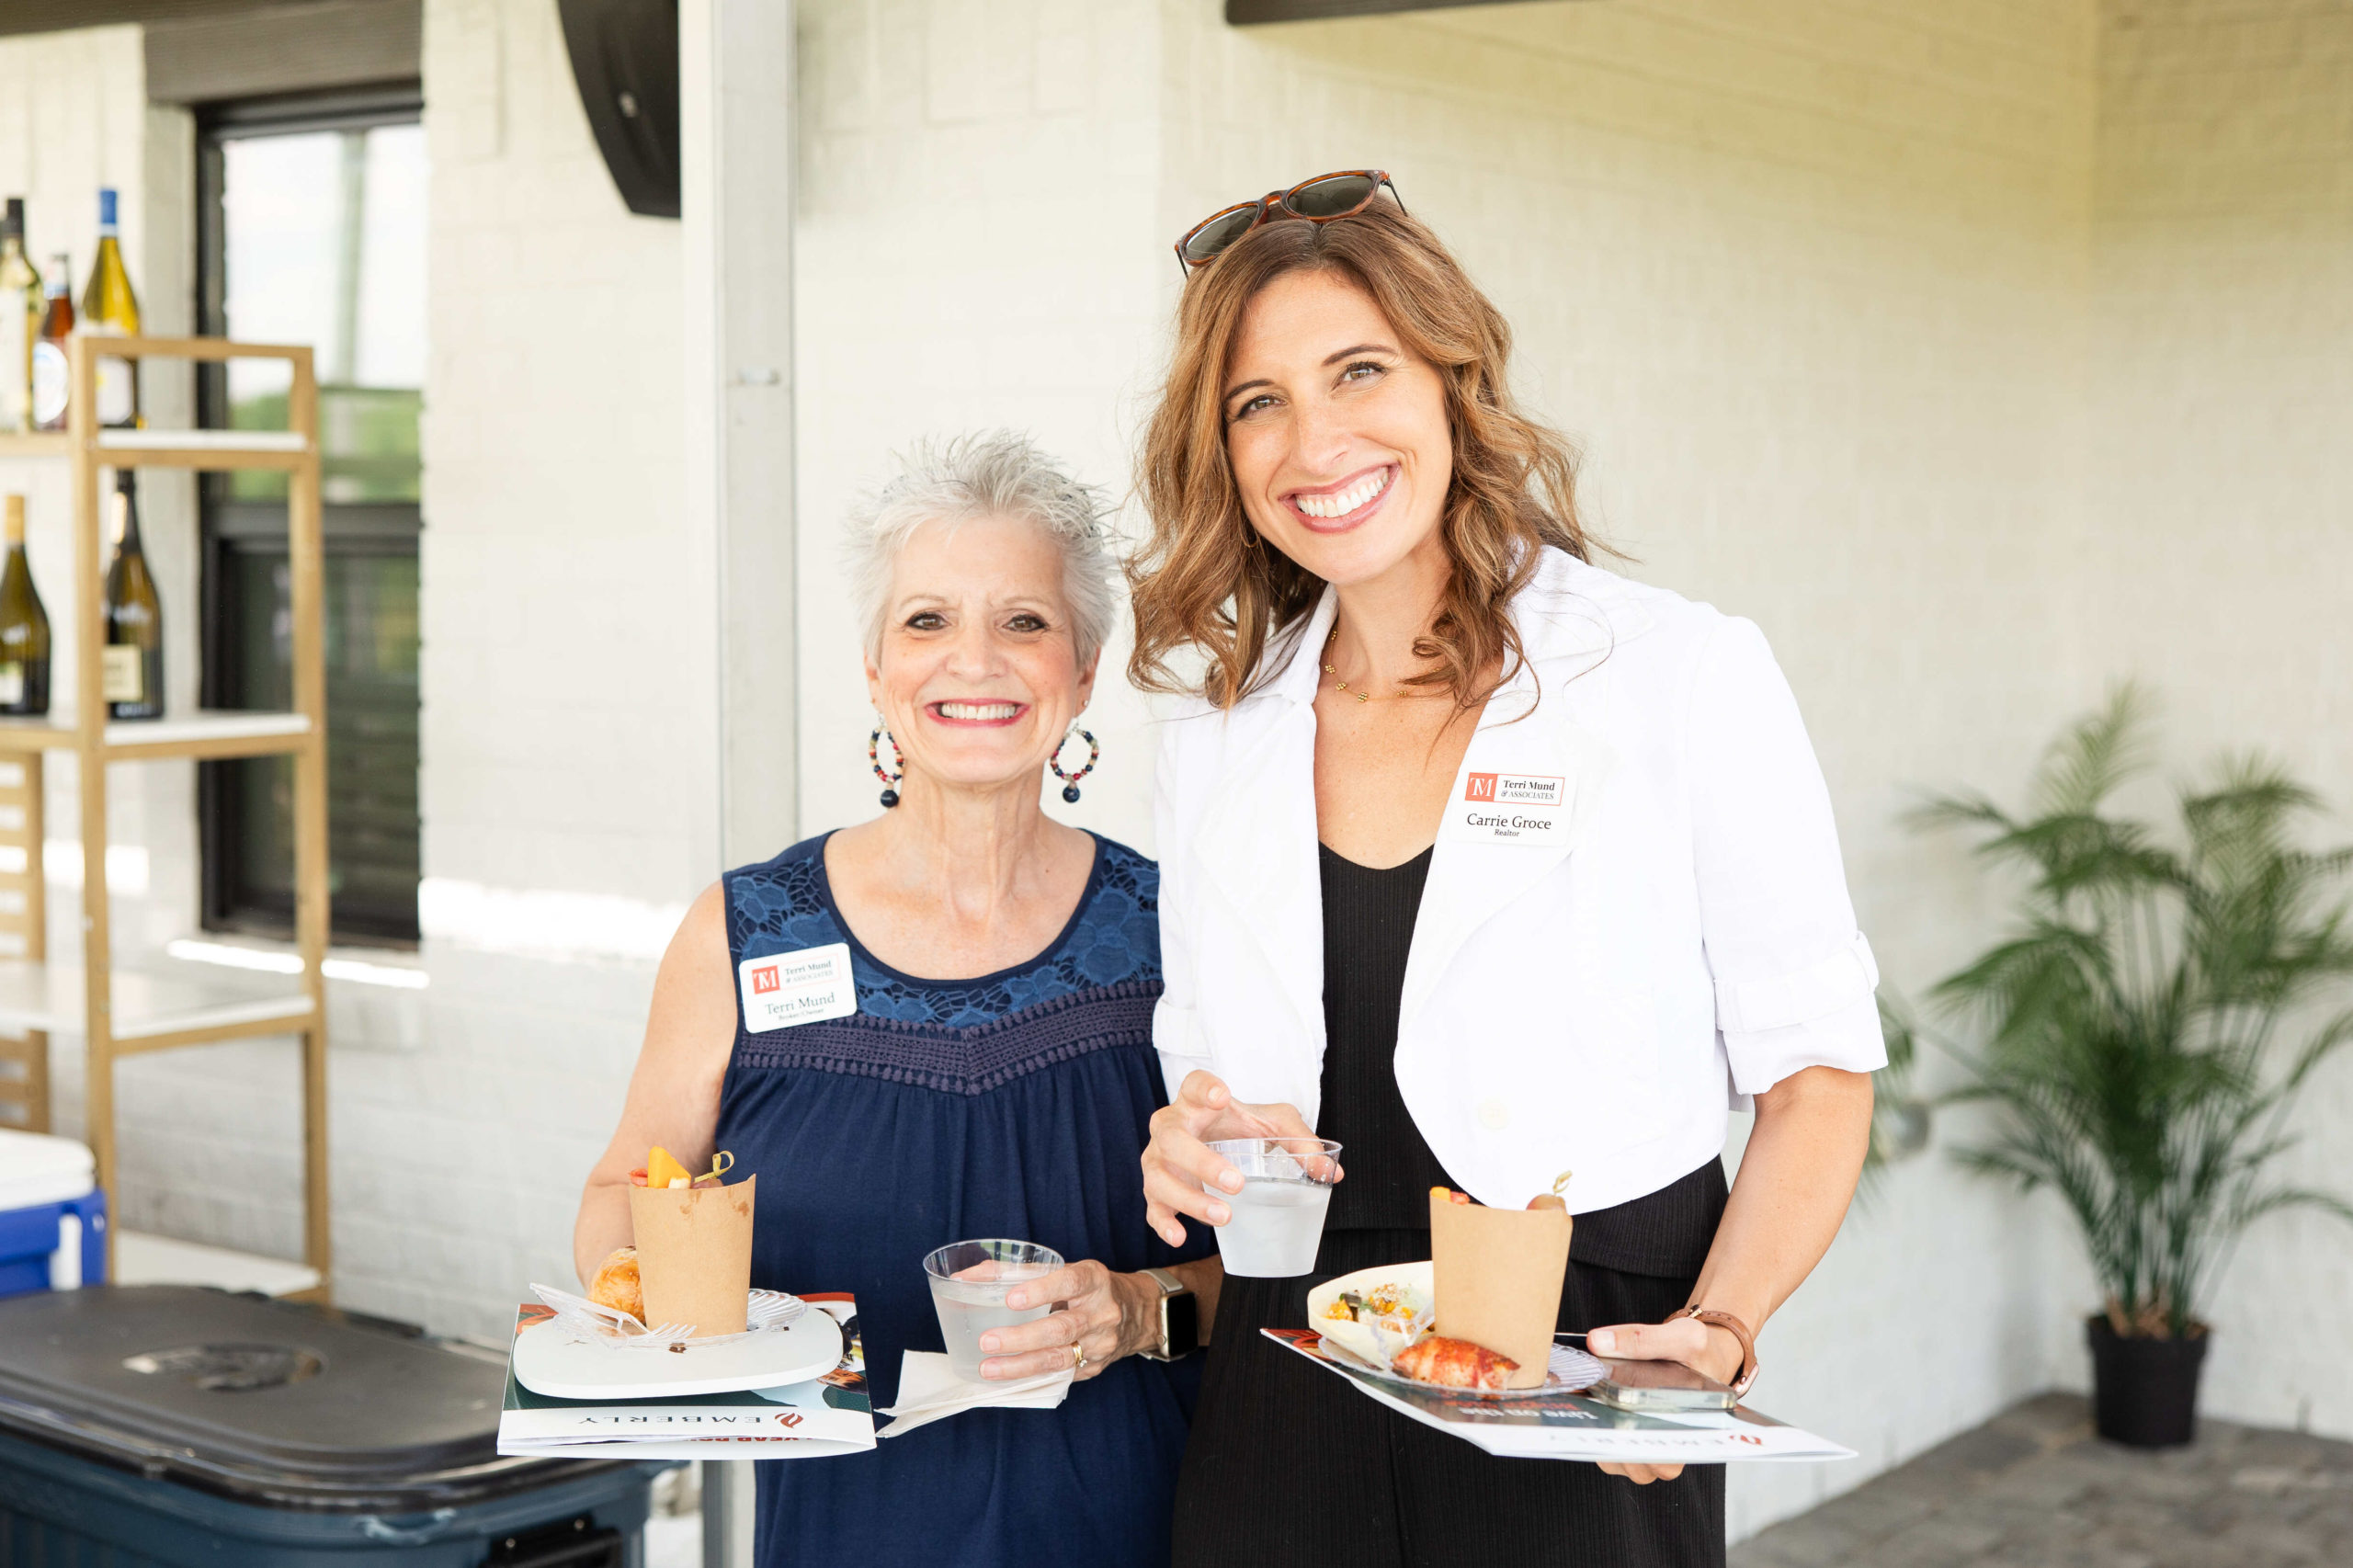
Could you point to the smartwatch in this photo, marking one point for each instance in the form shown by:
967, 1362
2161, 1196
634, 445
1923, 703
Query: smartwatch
1181, 1317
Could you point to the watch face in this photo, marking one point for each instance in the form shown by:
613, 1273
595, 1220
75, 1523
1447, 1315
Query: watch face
1183, 1316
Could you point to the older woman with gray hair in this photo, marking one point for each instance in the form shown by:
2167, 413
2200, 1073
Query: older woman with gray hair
983, 1067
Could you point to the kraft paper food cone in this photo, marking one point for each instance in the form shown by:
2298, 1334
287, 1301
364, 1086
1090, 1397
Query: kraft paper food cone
1499, 1275
694, 1254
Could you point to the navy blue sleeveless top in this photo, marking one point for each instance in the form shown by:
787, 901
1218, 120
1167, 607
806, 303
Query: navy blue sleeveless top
1013, 1104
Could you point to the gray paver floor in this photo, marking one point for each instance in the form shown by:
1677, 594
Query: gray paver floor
2033, 1488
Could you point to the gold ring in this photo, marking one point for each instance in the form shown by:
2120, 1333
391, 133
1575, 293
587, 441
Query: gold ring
1079, 1357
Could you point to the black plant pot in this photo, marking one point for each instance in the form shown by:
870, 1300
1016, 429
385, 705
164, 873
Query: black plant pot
2145, 1391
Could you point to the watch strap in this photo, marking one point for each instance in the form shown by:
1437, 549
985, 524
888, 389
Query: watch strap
1739, 1331
1171, 1287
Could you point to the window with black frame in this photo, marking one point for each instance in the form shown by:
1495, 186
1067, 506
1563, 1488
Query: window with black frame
312, 231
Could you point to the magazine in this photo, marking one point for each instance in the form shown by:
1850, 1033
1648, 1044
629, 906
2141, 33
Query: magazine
1571, 1427
810, 1420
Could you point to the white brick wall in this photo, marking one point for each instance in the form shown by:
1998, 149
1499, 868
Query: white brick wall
556, 609
2218, 560
977, 246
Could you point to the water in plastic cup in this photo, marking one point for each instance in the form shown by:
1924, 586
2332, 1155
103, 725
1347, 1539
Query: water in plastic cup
1279, 1214
969, 1284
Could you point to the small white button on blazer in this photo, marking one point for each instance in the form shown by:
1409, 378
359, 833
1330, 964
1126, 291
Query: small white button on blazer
1671, 932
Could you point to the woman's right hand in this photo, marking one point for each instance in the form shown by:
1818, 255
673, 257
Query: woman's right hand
1178, 1162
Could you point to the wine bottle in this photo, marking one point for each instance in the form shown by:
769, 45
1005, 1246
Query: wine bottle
24, 625
20, 307
50, 380
132, 678
110, 309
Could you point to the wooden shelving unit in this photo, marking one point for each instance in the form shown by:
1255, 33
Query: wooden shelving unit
121, 1012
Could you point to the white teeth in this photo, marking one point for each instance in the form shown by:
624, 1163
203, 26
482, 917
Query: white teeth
979, 709
1347, 500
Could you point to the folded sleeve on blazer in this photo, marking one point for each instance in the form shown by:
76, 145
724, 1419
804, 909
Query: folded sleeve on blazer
1794, 979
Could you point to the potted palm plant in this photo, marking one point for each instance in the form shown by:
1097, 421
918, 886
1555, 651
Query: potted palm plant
2134, 1030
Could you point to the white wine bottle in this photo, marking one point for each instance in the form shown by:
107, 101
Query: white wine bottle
132, 678
110, 309
24, 626
51, 380
21, 303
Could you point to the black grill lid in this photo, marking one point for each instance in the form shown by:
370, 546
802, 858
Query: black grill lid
299, 1407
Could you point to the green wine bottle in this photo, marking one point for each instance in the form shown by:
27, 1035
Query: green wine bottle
110, 308
132, 679
24, 624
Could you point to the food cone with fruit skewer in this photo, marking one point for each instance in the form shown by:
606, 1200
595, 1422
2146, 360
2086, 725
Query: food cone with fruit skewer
694, 1244
1499, 1273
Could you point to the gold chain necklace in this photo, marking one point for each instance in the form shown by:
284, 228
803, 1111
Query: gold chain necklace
1331, 670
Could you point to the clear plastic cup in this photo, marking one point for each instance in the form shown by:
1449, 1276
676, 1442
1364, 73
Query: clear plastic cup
1279, 1214
969, 1284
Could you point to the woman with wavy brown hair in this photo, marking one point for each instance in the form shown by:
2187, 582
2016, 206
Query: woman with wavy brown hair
1479, 860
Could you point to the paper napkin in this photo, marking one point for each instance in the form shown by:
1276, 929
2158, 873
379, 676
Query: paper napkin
929, 1391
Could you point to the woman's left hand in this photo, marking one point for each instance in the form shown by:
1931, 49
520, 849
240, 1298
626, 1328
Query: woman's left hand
1706, 1350
1104, 1315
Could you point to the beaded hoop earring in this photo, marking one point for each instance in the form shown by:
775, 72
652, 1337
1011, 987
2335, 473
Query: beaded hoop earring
1070, 780
874, 758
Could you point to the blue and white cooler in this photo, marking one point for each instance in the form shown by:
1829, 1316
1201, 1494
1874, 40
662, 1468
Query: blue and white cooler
52, 1216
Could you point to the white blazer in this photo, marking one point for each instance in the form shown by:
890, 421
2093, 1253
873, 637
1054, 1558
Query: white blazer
1590, 995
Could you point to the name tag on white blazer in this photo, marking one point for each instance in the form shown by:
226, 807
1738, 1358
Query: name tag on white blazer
785, 989
1511, 808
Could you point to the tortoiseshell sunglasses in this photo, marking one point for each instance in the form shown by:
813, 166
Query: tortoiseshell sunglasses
1318, 200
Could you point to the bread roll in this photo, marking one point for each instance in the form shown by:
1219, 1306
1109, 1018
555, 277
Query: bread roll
616, 1284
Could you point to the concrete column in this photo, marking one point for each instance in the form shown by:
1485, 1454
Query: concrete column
736, 110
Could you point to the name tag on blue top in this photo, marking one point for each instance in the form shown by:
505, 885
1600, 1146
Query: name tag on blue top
785, 989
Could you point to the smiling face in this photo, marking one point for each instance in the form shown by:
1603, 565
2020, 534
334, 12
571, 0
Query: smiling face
1339, 437
978, 673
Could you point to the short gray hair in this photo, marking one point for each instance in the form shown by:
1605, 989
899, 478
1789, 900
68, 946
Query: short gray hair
983, 474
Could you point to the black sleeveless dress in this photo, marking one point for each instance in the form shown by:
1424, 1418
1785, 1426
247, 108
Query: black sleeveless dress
1285, 1458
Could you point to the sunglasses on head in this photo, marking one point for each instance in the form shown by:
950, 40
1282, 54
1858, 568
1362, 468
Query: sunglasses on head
1318, 200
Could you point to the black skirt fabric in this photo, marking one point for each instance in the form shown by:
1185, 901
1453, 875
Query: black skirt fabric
1286, 1458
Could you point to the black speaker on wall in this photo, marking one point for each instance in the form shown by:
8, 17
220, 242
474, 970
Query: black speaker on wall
625, 57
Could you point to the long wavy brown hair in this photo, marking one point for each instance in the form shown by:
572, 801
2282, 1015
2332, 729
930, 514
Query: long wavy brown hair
1206, 580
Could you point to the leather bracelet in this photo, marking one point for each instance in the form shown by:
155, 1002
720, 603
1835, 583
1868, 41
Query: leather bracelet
1739, 1331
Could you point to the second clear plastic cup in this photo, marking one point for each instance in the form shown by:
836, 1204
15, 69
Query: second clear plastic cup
968, 1283
1279, 1214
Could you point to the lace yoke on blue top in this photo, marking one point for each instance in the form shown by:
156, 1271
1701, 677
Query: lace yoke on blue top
963, 1036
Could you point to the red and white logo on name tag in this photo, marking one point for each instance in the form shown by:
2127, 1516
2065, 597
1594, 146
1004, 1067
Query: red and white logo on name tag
1518, 788
781, 990
1509, 808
